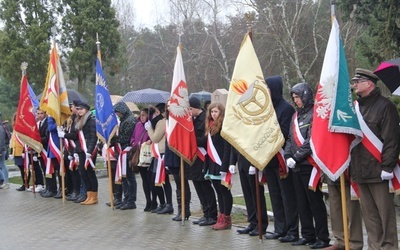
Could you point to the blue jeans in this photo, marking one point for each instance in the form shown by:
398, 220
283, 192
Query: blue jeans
3, 167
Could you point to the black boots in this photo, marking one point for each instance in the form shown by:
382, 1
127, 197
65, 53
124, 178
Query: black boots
168, 209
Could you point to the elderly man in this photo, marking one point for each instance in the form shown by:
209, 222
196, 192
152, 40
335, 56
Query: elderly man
379, 121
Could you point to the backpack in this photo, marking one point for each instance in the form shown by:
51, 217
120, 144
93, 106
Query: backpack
8, 134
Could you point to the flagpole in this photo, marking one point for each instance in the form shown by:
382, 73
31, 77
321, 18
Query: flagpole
342, 177
108, 162
249, 16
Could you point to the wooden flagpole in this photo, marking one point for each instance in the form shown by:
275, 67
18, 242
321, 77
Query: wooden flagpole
183, 208
108, 162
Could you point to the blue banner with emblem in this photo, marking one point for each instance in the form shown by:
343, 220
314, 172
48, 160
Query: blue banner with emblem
106, 120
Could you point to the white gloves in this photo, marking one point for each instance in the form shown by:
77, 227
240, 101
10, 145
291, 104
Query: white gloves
34, 158
291, 163
88, 156
147, 125
252, 170
223, 175
23, 155
232, 169
76, 156
10, 157
386, 175
70, 157
61, 134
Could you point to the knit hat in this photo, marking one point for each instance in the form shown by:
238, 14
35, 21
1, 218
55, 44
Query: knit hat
195, 102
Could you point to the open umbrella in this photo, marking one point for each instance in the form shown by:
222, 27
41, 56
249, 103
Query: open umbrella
202, 95
115, 98
389, 73
146, 96
72, 95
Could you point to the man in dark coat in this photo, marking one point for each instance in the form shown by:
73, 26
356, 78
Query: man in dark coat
281, 189
203, 187
380, 124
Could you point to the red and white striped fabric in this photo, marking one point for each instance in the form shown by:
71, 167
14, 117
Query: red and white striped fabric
315, 177
226, 180
26, 160
372, 143
201, 153
122, 160
84, 148
262, 179
212, 151
118, 169
160, 171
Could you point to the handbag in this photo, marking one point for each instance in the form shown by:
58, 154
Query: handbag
134, 154
145, 155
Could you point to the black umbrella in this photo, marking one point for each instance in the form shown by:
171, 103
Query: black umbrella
389, 73
146, 96
202, 95
72, 95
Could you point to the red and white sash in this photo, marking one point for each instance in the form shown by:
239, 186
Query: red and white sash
118, 168
82, 140
372, 143
212, 151
316, 172
160, 171
201, 153
122, 160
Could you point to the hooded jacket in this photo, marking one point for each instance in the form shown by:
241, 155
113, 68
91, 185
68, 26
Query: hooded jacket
304, 118
283, 109
126, 126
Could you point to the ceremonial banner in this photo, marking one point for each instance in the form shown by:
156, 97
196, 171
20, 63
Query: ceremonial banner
25, 123
250, 124
180, 129
335, 124
106, 120
55, 98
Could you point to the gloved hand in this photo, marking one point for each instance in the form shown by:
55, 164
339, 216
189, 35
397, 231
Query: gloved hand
291, 163
386, 175
252, 170
88, 155
147, 125
70, 157
76, 156
34, 158
23, 155
10, 157
61, 134
223, 175
232, 169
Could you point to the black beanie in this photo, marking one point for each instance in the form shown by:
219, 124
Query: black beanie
195, 102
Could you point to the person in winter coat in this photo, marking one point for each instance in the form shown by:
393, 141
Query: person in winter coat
280, 185
216, 167
310, 203
125, 130
379, 121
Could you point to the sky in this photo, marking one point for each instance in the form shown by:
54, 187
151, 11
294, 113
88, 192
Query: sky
148, 11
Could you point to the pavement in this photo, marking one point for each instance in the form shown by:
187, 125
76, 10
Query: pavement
29, 221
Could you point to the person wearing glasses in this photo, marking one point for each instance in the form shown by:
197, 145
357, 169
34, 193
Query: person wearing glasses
379, 121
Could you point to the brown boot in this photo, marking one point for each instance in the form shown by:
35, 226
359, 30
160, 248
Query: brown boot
225, 224
93, 200
88, 197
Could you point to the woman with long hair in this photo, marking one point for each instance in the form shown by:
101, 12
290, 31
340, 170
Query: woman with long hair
216, 165
86, 153
139, 137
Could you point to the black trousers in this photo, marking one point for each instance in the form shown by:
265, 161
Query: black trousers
248, 183
144, 173
283, 201
188, 195
225, 199
206, 195
311, 208
88, 175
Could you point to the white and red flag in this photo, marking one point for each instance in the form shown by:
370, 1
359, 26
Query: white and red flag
335, 123
180, 129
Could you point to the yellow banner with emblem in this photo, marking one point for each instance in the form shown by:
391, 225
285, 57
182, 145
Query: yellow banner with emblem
250, 124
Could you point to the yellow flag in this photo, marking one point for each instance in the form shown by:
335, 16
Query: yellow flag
55, 98
250, 124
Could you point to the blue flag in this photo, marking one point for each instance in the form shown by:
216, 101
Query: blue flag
35, 102
106, 120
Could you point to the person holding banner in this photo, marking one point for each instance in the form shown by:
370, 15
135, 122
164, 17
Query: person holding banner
203, 187
374, 162
216, 165
279, 178
310, 203
125, 130
87, 153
